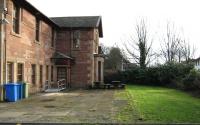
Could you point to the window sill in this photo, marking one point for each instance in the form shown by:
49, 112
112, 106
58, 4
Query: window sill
76, 49
15, 34
52, 47
37, 42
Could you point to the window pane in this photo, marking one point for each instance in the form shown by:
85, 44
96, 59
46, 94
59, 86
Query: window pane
41, 74
37, 29
76, 39
47, 73
51, 73
53, 37
16, 16
9, 72
19, 72
33, 73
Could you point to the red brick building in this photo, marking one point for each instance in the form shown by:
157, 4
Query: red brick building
35, 48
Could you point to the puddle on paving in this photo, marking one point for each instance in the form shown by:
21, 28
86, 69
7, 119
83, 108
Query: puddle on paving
49, 106
47, 100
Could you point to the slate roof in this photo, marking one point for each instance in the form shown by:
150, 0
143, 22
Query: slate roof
84, 21
80, 22
65, 22
26, 5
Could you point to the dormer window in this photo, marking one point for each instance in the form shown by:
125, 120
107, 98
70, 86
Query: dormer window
16, 18
76, 39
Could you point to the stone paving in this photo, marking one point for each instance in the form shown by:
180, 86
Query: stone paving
77, 106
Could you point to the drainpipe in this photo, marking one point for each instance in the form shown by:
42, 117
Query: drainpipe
3, 21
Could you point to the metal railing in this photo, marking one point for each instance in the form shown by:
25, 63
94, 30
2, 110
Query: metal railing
61, 83
46, 85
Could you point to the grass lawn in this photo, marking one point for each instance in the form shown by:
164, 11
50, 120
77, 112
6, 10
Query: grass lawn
160, 105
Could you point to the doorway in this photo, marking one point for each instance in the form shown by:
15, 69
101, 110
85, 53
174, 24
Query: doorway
61, 73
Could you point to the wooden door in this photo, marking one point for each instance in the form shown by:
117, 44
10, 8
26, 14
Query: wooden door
61, 73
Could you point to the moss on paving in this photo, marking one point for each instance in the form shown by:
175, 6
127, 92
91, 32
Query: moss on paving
128, 113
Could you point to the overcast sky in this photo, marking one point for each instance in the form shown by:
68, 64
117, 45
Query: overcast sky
120, 16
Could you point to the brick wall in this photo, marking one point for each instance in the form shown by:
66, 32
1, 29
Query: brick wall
63, 42
22, 48
82, 70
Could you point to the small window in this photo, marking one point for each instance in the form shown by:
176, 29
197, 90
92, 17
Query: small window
33, 74
16, 18
51, 73
47, 73
53, 37
37, 30
76, 39
19, 72
41, 72
9, 72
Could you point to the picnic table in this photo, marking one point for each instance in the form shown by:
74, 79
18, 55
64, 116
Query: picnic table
113, 84
116, 83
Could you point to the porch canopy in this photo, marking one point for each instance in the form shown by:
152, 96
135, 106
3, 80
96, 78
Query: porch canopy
61, 59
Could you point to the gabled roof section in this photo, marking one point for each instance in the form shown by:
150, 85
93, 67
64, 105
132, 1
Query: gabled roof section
64, 22
29, 7
80, 22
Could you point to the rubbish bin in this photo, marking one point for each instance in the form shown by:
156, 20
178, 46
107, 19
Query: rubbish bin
25, 90
12, 92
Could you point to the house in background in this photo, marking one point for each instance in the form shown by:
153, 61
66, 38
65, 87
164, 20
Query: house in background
196, 63
35, 48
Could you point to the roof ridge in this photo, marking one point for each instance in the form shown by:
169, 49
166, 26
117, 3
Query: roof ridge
73, 16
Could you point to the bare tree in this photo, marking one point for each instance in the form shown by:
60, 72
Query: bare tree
140, 50
170, 47
104, 49
188, 51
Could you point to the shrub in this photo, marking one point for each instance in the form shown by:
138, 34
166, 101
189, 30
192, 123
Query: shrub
178, 75
111, 75
192, 80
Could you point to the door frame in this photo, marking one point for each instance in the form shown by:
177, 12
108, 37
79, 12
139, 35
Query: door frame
68, 75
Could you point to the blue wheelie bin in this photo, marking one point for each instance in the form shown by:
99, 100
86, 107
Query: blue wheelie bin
12, 92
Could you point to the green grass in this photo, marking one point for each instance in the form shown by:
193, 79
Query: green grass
160, 105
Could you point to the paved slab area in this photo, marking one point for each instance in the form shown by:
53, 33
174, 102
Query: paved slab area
78, 106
